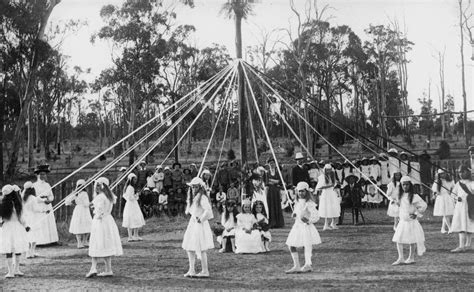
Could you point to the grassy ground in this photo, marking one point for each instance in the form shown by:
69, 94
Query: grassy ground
353, 257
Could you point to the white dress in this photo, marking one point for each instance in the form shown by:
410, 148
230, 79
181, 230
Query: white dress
461, 221
13, 236
227, 224
392, 193
81, 219
409, 230
375, 172
247, 242
105, 238
304, 234
260, 195
266, 234
48, 232
132, 214
198, 235
33, 210
384, 173
329, 203
444, 202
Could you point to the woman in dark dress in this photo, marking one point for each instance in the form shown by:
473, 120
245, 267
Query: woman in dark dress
275, 216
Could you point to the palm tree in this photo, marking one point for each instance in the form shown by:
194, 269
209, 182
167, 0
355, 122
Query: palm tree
237, 9
240, 9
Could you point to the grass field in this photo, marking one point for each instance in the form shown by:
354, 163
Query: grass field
353, 257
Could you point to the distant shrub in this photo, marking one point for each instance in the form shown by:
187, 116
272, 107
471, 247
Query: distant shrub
230, 154
444, 150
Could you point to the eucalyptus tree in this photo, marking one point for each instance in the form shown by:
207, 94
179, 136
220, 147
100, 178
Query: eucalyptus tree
22, 31
151, 57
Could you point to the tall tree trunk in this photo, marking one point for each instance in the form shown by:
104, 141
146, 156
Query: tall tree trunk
27, 97
2, 127
30, 139
58, 135
241, 91
463, 77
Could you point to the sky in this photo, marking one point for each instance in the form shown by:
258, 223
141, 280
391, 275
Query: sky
430, 24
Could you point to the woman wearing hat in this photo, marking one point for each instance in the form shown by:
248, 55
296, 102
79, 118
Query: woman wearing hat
105, 241
404, 163
81, 219
409, 231
132, 214
275, 213
329, 202
463, 218
47, 227
198, 235
444, 202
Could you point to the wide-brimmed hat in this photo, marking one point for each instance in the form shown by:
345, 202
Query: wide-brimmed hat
142, 162
299, 156
102, 180
383, 156
302, 186
351, 175
255, 176
80, 182
131, 175
123, 168
7, 189
27, 185
440, 171
406, 178
392, 150
206, 171
177, 163
42, 168
328, 167
374, 159
196, 181
403, 155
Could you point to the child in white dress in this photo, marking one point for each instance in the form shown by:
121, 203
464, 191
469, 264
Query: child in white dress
13, 237
105, 238
33, 210
247, 237
444, 202
329, 201
229, 222
198, 235
392, 193
259, 191
409, 230
258, 211
132, 214
81, 219
303, 233
463, 218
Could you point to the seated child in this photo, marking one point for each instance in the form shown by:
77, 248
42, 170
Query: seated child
262, 224
220, 199
247, 238
163, 202
229, 222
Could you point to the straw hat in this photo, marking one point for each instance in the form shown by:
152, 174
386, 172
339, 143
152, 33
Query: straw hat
299, 156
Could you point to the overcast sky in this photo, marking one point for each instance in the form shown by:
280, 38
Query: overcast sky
431, 25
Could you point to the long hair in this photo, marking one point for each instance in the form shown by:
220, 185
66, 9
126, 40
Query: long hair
235, 212
130, 182
394, 180
439, 183
10, 202
254, 208
107, 192
410, 193
330, 177
199, 193
27, 193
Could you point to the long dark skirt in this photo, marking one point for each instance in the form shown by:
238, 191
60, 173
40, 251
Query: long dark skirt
275, 216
